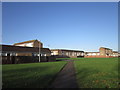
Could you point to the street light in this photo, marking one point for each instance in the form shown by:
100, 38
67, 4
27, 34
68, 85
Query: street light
39, 52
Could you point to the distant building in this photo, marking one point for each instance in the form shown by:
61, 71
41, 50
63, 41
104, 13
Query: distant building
30, 43
115, 54
103, 52
67, 53
92, 53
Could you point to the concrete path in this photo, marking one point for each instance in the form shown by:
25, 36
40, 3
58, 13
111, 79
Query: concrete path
66, 78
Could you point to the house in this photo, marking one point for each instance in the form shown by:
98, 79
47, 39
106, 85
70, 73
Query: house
67, 53
105, 51
30, 43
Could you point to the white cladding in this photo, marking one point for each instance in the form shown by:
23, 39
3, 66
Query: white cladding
93, 54
54, 53
26, 44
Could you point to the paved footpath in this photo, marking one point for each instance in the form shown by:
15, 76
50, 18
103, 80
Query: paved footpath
66, 77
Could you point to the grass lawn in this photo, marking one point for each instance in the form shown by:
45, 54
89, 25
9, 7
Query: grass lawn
32, 75
97, 72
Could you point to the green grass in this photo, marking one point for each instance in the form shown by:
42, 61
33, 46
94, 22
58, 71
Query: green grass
33, 75
90, 73
97, 72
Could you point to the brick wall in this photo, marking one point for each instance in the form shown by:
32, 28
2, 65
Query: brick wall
99, 56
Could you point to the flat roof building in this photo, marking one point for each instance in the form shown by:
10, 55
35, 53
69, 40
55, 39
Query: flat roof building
67, 53
19, 54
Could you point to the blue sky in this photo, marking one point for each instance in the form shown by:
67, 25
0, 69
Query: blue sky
66, 25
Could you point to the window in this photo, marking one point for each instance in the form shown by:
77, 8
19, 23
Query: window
8, 54
4, 54
0, 54
82, 54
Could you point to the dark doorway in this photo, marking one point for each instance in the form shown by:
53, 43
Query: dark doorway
13, 59
47, 58
8, 54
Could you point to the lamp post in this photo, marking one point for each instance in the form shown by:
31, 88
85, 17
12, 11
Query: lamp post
39, 52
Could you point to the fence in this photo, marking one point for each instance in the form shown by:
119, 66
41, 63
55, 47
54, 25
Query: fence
26, 59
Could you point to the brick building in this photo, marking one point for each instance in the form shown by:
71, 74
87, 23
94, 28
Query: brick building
105, 51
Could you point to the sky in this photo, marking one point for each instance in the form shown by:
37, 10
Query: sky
83, 26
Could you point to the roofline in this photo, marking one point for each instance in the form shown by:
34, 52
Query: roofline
92, 52
66, 50
20, 46
105, 48
26, 42
115, 51
11, 48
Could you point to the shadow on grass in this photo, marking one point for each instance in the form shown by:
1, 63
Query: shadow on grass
34, 77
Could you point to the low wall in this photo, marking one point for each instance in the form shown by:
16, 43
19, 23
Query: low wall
98, 56
26, 59
73, 56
